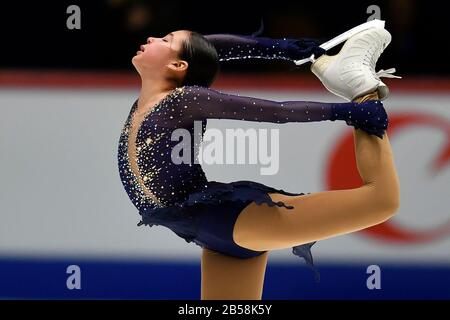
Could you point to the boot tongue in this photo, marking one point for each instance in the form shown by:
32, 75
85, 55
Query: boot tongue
387, 73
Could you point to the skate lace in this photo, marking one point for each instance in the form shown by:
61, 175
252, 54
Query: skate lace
370, 60
386, 73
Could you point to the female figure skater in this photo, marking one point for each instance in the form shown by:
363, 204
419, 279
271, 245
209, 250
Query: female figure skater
238, 223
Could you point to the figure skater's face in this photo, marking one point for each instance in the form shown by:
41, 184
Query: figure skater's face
159, 53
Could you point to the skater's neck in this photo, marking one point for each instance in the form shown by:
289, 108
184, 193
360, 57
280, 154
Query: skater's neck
152, 91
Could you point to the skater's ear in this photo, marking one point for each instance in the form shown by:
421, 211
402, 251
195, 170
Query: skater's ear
178, 65
178, 70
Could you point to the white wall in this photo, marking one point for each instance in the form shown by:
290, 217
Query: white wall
60, 191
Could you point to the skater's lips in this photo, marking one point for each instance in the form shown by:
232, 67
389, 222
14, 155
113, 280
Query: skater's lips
142, 49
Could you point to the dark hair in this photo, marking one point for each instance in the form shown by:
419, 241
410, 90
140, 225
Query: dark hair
203, 60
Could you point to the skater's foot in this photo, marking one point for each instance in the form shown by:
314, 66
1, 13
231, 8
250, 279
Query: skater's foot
351, 73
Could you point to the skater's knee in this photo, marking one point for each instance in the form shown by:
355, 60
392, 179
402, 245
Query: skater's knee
392, 203
387, 202
383, 200
392, 195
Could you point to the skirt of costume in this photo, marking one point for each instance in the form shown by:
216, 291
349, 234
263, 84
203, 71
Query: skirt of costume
207, 217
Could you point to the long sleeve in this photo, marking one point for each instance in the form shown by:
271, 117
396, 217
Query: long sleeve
205, 103
233, 46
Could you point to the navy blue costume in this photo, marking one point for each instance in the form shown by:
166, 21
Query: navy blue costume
177, 194
238, 47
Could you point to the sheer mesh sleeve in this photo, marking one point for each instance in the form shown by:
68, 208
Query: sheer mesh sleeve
205, 103
233, 46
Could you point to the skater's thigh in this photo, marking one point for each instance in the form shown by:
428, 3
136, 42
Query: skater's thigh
315, 216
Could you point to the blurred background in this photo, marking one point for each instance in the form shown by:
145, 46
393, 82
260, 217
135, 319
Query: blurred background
65, 95
34, 34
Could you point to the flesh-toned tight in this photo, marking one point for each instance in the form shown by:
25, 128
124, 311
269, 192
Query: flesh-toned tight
315, 216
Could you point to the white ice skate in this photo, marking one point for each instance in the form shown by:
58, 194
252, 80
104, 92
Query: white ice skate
351, 73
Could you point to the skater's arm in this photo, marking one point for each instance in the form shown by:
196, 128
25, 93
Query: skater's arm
233, 46
205, 103
208, 103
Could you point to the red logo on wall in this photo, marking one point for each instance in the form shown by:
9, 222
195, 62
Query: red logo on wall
343, 174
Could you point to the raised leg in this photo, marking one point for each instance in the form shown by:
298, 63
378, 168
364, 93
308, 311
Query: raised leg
323, 215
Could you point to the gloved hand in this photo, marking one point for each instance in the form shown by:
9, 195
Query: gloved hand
369, 116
